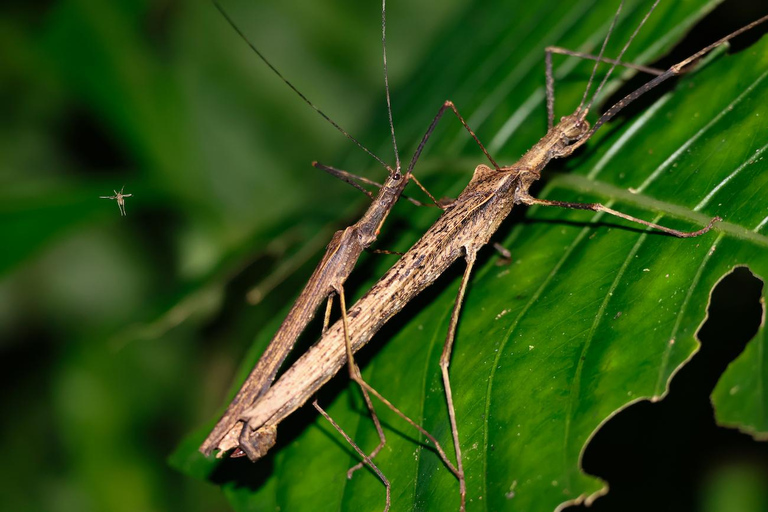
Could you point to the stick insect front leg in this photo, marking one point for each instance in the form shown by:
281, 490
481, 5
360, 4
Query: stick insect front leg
550, 76
597, 207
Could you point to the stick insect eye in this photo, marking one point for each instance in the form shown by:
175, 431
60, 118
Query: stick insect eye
576, 130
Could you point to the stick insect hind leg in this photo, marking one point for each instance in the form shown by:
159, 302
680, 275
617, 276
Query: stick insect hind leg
354, 373
366, 458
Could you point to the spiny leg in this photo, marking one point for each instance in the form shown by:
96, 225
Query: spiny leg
597, 207
445, 361
361, 382
355, 375
366, 459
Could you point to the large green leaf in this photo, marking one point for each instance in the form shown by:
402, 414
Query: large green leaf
592, 314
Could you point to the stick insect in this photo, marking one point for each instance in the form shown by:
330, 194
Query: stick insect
464, 228
327, 280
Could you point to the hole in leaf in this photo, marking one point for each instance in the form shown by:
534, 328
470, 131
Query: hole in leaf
663, 455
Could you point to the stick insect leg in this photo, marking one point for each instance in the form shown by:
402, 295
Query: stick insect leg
366, 459
445, 361
327, 317
550, 50
448, 104
597, 207
356, 376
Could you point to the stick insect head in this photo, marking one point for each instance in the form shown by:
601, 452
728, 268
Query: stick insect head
571, 132
575, 127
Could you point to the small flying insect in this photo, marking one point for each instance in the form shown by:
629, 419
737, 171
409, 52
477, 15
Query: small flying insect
120, 198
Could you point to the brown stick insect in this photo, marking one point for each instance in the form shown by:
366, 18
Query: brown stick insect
464, 228
326, 281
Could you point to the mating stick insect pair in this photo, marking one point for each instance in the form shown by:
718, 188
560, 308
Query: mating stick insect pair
249, 424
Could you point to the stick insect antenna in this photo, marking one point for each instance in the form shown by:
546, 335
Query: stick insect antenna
621, 54
386, 82
599, 58
674, 70
306, 100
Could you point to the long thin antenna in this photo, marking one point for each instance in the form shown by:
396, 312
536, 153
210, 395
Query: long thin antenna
621, 54
386, 81
674, 70
599, 58
306, 100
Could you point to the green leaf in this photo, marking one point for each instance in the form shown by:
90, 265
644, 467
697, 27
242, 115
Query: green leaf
593, 313
740, 396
